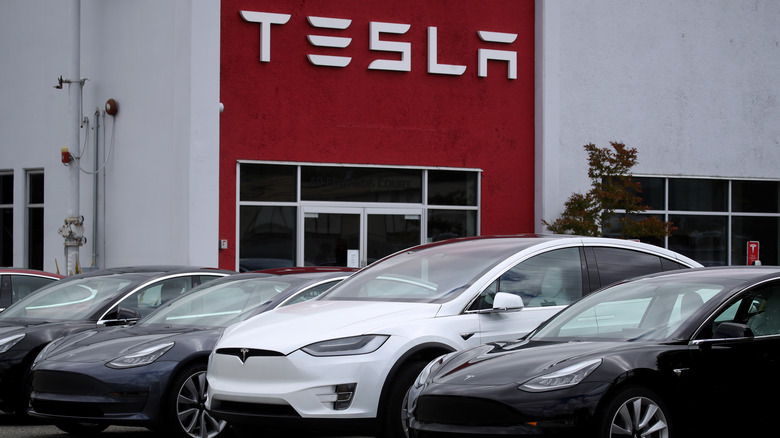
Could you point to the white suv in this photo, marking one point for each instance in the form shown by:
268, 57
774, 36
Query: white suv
347, 359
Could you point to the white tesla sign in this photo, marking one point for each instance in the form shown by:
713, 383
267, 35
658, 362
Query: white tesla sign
403, 48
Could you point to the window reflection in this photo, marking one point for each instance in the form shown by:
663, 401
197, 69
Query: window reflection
266, 237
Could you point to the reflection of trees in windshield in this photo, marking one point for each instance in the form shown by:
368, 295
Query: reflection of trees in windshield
67, 300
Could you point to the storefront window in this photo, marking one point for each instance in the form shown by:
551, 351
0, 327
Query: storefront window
446, 187
361, 184
266, 237
763, 230
653, 192
35, 220
709, 228
702, 238
6, 219
755, 196
697, 194
447, 224
308, 214
268, 183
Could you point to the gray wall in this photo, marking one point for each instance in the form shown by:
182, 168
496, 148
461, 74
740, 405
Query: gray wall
692, 85
158, 194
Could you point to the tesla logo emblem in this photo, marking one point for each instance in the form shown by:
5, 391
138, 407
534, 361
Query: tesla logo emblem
244, 351
470, 376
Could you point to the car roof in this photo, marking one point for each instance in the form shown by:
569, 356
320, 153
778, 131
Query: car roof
35, 272
152, 270
304, 270
514, 243
744, 273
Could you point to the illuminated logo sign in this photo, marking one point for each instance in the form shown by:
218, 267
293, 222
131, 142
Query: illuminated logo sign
266, 20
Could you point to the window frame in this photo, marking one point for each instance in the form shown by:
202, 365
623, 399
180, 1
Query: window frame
729, 213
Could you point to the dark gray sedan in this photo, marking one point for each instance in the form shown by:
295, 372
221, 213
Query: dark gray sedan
153, 374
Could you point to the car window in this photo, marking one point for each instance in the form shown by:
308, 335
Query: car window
149, 298
312, 292
636, 310
15, 287
550, 279
763, 311
200, 279
759, 308
220, 305
67, 300
617, 264
22, 285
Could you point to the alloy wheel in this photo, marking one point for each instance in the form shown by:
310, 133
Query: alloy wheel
191, 412
639, 417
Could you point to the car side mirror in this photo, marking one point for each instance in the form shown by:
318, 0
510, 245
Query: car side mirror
507, 302
730, 330
121, 316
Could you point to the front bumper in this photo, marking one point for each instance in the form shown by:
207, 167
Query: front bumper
96, 393
504, 410
276, 388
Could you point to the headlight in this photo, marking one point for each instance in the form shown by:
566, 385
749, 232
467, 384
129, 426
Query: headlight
346, 346
140, 358
7, 343
563, 378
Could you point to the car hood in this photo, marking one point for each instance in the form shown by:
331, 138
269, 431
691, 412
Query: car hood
42, 331
287, 329
516, 362
105, 345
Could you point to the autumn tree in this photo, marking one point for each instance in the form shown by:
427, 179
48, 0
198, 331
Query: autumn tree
612, 189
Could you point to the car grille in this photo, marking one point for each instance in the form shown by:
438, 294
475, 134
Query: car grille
68, 409
65, 383
465, 411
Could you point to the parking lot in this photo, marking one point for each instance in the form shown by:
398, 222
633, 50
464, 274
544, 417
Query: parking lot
12, 427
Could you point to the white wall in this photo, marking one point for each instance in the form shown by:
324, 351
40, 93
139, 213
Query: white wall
160, 61
693, 85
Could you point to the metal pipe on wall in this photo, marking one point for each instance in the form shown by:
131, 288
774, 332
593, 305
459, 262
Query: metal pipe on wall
74, 127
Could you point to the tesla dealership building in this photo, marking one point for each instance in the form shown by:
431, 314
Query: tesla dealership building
247, 134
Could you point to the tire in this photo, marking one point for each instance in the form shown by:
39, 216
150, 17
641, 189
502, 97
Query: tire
80, 428
185, 413
636, 411
393, 416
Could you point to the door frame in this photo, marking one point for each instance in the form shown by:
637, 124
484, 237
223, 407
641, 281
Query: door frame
363, 212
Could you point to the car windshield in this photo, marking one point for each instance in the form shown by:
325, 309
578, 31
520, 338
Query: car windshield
431, 274
219, 304
69, 299
648, 309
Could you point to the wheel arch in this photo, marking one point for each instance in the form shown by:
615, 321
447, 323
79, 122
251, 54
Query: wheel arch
421, 353
665, 386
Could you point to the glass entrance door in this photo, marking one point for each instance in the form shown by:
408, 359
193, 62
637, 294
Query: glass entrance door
354, 236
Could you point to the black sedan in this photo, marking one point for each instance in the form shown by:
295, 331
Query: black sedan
153, 373
688, 353
82, 302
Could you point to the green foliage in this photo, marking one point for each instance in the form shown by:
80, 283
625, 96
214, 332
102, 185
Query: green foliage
612, 188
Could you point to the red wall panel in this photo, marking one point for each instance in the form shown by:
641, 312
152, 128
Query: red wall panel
288, 109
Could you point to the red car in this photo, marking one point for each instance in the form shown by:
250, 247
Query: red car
17, 283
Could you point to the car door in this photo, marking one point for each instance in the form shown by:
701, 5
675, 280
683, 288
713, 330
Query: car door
739, 374
546, 282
